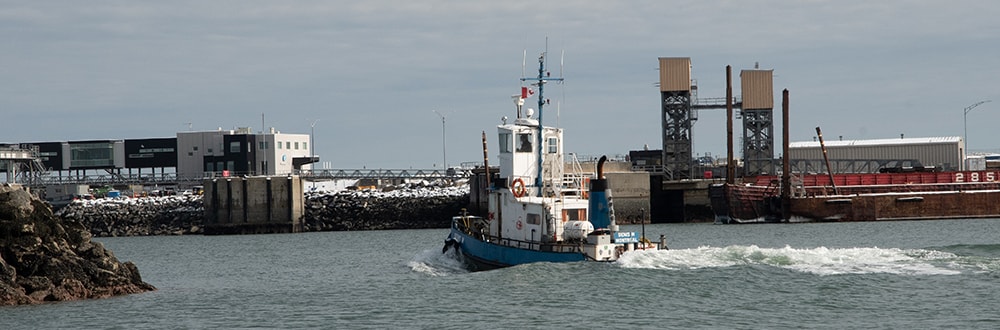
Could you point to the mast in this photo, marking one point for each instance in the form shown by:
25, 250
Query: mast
542, 78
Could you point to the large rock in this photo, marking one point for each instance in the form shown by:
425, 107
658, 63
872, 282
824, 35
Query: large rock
43, 260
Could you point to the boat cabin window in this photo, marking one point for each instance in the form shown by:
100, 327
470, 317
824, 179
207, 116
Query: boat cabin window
574, 214
505, 146
523, 142
534, 219
553, 145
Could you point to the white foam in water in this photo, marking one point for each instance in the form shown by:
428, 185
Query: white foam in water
820, 260
435, 263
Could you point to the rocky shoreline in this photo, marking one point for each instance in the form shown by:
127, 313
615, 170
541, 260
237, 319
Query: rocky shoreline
408, 206
43, 259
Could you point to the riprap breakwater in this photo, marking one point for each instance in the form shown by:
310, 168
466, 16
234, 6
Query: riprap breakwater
408, 206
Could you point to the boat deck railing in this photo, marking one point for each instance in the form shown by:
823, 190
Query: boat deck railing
541, 246
468, 223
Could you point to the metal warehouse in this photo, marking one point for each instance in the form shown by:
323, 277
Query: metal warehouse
872, 156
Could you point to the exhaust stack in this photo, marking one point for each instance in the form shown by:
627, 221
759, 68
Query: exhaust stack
600, 207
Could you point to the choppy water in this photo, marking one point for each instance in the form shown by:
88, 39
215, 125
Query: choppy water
904, 275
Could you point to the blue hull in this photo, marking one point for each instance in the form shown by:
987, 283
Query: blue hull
485, 255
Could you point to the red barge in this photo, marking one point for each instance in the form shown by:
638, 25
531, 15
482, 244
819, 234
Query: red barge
860, 197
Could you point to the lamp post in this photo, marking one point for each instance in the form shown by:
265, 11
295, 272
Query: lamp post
312, 142
444, 148
965, 122
312, 151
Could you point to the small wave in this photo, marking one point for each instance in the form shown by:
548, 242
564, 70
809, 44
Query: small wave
820, 260
435, 263
982, 250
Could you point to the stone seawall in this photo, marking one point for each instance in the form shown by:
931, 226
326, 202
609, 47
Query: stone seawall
412, 206
145, 216
371, 211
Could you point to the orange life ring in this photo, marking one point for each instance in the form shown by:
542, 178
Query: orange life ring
518, 188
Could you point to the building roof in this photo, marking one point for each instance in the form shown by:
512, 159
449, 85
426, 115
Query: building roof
877, 142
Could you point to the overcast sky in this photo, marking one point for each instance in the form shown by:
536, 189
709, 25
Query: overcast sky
373, 72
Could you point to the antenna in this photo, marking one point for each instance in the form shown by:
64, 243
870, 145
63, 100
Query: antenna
524, 59
541, 80
562, 56
558, 113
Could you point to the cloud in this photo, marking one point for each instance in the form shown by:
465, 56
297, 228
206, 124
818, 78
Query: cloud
376, 69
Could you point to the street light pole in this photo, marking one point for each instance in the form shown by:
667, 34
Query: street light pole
444, 148
312, 151
312, 141
965, 122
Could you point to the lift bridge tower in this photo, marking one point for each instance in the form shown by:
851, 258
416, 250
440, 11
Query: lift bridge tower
678, 117
758, 122
679, 106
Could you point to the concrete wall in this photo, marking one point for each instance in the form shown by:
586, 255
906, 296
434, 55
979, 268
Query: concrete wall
630, 195
255, 205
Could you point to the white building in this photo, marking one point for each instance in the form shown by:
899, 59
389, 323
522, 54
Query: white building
241, 152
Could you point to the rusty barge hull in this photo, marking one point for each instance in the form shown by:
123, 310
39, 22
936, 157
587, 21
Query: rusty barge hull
863, 197
899, 206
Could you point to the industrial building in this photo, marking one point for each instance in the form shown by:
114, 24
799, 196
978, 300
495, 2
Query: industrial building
188, 157
241, 152
873, 156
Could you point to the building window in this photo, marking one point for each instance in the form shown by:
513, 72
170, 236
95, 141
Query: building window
234, 147
305, 146
262, 145
505, 143
195, 148
279, 144
553, 145
97, 154
523, 142
296, 146
288, 145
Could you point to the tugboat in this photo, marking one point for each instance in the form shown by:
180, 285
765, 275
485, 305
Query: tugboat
536, 213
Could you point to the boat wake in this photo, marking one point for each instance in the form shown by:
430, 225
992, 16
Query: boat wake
820, 260
434, 263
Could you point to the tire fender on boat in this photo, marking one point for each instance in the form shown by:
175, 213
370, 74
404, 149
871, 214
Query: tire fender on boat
450, 242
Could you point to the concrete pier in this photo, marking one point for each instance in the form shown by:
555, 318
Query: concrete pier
254, 205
